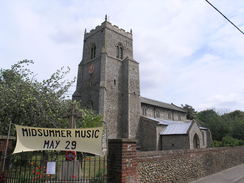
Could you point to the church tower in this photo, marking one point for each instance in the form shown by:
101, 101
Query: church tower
108, 79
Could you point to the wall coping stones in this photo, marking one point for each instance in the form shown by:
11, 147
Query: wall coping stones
122, 140
142, 154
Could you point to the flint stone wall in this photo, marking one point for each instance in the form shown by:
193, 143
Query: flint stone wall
179, 166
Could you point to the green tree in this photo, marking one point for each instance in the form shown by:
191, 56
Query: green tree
213, 121
228, 141
238, 129
26, 101
84, 118
190, 111
235, 121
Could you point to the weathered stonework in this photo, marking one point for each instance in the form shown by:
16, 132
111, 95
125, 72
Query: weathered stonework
195, 130
108, 82
175, 142
181, 166
172, 166
158, 112
112, 87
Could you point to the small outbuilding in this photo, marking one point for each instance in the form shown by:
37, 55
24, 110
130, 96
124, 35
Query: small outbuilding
161, 134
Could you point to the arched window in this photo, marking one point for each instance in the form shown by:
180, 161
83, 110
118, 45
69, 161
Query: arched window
157, 113
144, 110
196, 142
119, 51
179, 117
169, 115
93, 51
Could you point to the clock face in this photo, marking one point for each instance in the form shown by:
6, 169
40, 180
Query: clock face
91, 68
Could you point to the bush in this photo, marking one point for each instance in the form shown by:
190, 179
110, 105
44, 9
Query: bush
228, 141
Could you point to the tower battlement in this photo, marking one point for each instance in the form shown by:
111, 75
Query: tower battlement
110, 26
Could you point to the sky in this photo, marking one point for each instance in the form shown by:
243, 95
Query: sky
188, 53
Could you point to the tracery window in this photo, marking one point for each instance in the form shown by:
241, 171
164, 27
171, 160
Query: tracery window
119, 51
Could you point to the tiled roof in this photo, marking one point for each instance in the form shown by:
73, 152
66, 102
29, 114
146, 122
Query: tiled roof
173, 127
176, 129
161, 104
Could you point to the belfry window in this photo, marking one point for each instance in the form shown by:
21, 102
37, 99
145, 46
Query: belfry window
119, 51
93, 51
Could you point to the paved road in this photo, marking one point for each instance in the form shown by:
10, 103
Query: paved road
231, 175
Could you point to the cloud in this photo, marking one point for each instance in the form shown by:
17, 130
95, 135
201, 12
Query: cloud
188, 53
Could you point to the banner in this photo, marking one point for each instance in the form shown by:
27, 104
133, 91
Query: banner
40, 139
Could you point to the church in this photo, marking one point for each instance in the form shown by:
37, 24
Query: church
108, 82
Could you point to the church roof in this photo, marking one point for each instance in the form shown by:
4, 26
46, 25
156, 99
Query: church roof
173, 127
161, 104
176, 129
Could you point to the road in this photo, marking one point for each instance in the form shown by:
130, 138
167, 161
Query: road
231, 175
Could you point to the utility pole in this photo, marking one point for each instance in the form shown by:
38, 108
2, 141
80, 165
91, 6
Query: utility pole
6, 147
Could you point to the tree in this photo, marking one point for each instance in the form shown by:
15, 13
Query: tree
228, 141
213, 121
235, 120
26, 101
84, 118
190, 111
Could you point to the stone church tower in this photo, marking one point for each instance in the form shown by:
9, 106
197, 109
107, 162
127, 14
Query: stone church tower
108, 79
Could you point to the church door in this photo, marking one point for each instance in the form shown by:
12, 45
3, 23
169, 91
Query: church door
196, 142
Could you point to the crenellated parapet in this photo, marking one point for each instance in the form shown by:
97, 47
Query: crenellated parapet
109, 26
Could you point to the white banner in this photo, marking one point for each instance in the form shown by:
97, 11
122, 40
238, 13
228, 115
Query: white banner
39, 139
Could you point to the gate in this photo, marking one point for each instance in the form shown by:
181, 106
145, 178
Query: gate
53, 167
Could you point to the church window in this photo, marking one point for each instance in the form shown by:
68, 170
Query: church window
114, 81
203, 138
179, 117
157, 113
169, 115
93, 51
119, 51
144, 111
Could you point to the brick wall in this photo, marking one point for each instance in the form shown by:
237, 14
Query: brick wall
178, 166
126, 165
122, 161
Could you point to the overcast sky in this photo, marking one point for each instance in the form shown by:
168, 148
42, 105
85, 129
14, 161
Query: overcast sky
188, 53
